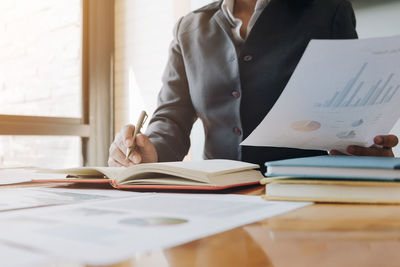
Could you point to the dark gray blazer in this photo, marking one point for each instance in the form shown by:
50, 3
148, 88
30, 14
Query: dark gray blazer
230, 87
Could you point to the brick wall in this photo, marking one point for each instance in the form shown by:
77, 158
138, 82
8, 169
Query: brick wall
40, 151
40, 57
40, 74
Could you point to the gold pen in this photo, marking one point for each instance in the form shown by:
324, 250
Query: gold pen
142, 119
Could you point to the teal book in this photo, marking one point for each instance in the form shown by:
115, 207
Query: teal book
337, 167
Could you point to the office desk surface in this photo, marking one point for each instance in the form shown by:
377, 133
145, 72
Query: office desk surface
317, 235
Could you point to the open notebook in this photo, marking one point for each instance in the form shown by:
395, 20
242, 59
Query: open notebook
215, 174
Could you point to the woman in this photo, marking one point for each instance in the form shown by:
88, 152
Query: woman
228, 64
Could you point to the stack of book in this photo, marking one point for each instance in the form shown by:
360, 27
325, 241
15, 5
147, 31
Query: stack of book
347, 179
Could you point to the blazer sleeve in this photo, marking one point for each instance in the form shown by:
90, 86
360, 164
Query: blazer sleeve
344, 22
170, 126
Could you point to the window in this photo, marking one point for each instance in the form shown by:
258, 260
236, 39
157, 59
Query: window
41, 62
54, 90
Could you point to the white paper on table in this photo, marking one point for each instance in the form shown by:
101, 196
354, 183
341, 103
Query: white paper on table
14, 255
109, 231
343, 92
32, 197
24, 174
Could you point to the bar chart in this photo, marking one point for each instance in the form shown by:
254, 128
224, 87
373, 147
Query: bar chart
355, 95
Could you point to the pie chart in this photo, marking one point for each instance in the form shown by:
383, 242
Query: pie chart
153, 221
306, 126
357, 123
346, 135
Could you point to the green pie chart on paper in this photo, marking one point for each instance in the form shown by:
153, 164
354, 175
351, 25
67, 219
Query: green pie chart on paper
152, 221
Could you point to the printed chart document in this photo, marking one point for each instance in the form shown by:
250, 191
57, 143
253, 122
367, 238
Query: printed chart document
109, 231
343, 92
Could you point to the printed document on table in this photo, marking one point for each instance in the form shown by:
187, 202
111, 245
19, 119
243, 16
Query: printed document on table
23, 198
343, 92
24, 174
19, 256
113, 230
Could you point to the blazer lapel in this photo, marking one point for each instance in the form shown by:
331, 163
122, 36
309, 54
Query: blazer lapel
221, 20
271, 22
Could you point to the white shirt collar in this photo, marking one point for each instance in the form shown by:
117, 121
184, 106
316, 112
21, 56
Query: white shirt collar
227, 8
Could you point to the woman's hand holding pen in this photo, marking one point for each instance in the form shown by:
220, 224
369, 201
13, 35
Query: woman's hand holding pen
144, 150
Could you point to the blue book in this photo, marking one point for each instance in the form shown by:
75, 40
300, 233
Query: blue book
337, 167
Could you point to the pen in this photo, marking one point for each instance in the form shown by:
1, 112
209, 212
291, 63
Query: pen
142, 119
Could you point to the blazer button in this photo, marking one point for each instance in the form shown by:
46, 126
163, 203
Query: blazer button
247, 58
236, 94
237, 131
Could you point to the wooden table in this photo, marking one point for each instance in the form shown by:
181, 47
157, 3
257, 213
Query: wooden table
320, 235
